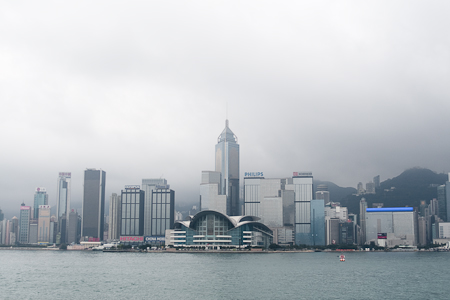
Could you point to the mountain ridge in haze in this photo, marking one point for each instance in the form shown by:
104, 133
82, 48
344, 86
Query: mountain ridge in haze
407, 189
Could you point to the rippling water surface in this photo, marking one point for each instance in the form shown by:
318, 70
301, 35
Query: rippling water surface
98, 275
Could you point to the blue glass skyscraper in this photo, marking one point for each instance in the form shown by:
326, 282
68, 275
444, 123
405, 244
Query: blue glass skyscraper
40, 198
227, 163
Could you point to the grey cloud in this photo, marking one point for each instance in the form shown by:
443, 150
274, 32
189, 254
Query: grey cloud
347, 90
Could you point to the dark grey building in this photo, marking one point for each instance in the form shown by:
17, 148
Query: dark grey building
72, 227
132, 211
347, 233
163, 210
93, 205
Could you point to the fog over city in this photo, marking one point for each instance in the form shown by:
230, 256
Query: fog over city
141, 89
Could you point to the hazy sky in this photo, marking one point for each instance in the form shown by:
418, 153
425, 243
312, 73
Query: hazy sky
345, 89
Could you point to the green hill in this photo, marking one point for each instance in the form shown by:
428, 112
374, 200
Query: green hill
407, 189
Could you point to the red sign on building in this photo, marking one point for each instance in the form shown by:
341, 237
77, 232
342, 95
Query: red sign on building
131, 238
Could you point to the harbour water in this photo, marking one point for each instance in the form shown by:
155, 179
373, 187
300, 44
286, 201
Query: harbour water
98, 275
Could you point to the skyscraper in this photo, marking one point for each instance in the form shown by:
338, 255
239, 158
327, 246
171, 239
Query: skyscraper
44, 224
114, 217
362, 220
442, 199
227, 163
63, 204
40, 198
302, 185
447, 198
132, 219
24, 224
159, 208
72, 227
14, 231
148, 185
93, 204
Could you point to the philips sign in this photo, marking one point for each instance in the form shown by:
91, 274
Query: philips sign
253, 174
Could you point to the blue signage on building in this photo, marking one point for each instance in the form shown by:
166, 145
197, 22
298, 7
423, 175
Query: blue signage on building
153, 239
253, 174
389, 209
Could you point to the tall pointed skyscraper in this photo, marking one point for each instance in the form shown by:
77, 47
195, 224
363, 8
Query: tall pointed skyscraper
227, 163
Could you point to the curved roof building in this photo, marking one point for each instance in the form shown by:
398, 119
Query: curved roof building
215, 229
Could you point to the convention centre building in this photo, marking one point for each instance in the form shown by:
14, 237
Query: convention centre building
215, 230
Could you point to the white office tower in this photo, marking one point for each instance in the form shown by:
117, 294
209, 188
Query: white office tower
44, 225
302, 185
114, 217
268, 200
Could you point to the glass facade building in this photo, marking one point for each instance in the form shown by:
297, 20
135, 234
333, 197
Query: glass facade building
227, 163
93, 204
317, 222
362, 220
148, 185
268, 199
24, 224
302, 185
63, 204
159, 207
40, 198
442, 200
132, 211
163, 211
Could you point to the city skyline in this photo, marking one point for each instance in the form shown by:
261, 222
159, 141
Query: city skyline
347, 92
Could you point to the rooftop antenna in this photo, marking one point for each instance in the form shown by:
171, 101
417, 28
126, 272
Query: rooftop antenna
226, 115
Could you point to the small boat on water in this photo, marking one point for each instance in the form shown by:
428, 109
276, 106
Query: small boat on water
342, 257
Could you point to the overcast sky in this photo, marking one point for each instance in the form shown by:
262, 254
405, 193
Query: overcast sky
344, 89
